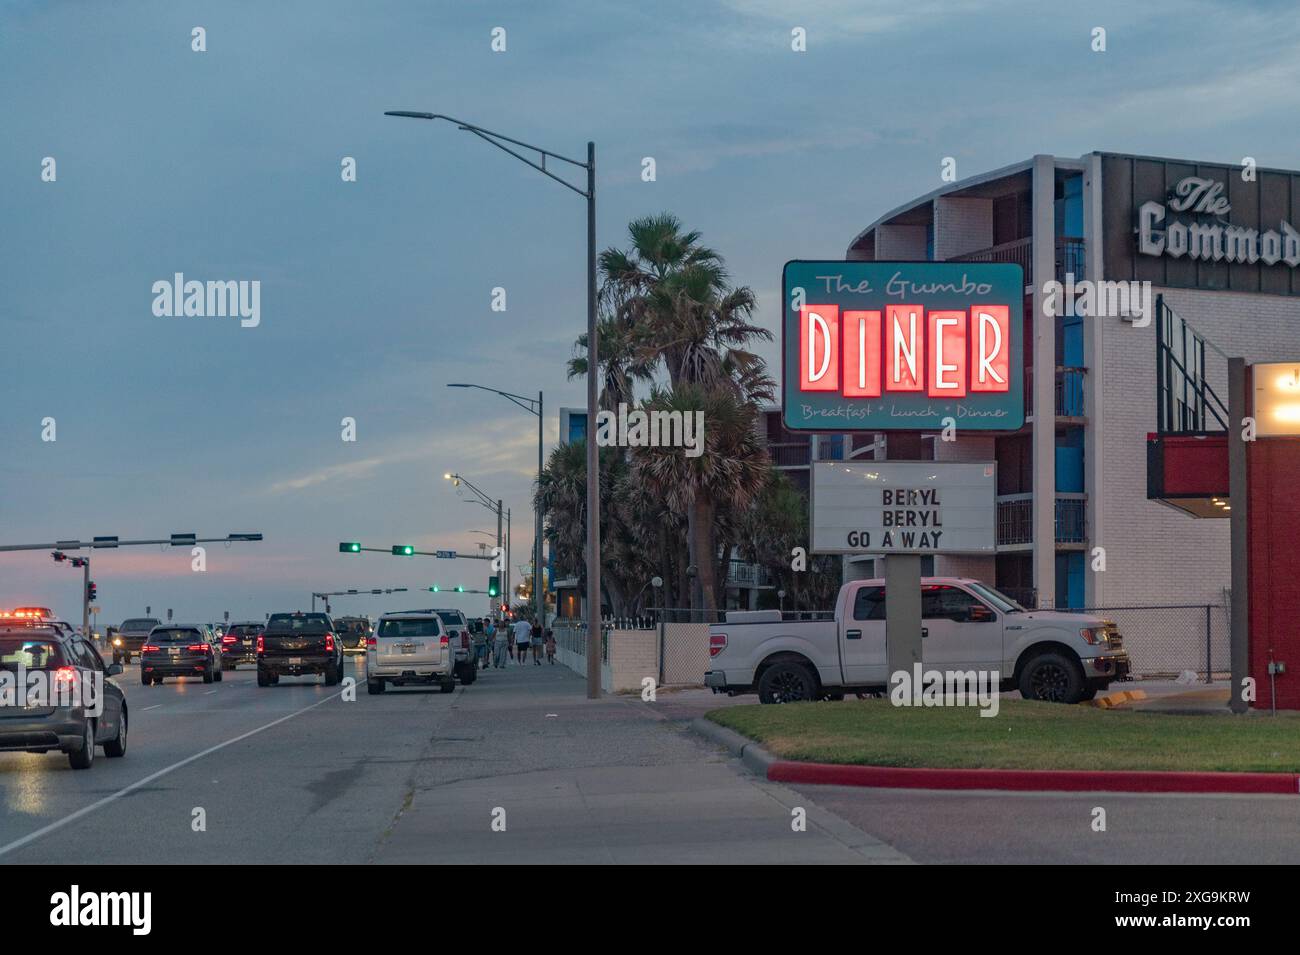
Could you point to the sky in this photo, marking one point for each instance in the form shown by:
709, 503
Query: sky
226, 165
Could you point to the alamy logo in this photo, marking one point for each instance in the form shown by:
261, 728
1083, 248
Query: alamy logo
75, 908
64, 686
212, 299
651, 429
1129, 300
946, 688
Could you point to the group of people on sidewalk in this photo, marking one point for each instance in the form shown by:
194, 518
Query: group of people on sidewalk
501, 641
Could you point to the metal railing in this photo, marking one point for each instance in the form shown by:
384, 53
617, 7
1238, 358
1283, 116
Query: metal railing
743, 574
1015, 519
1069, 391
790, 454
1070, 256
1185, 402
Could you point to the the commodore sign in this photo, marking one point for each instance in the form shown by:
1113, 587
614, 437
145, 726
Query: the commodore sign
903, 507
902, 346
1208, 235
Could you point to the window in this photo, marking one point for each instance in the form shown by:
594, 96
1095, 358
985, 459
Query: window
87, 655
869, 604
943, 602
409, 628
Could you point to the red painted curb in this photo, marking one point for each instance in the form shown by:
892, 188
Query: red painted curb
1025, 780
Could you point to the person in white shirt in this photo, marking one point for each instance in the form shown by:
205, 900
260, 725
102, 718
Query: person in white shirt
523, 637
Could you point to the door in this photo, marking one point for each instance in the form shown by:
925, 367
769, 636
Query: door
410, 643
959, 631
91, 665
863, 639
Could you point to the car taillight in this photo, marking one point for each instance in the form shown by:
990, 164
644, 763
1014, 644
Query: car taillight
371, 642
464, 640
443, 641
717, 643
228, 639
260, 645
65, 676
329, 642
199, 647
148, 648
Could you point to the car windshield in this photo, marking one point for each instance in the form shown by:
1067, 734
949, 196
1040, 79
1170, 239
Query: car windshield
299, 622
243, 630
140, 623
34, 654
998, 599
409, 628
175, 635
450, 617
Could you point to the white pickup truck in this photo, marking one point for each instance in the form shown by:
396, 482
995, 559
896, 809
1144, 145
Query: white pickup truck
966, 625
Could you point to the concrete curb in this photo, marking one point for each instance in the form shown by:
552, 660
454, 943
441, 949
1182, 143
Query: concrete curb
762, 763
756, 759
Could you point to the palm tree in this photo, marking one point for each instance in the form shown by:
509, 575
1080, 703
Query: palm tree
728, 474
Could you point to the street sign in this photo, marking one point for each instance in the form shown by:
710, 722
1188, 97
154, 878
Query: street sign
903, 507
902, 346
445, 554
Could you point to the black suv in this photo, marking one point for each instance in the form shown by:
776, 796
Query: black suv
130, 637
239, 644
180, 649
294, 644
67, 666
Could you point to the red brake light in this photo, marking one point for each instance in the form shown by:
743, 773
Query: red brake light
148, 648
370, 641
464, 640
717, 643
65, 676
200, 647
260, 645
329, 642
228, 639
443, 641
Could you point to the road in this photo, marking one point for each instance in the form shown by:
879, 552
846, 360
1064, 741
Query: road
295, 773
298, 773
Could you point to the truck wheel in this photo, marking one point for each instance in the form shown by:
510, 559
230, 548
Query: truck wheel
468, 674
1053, 678
786, 683
331, 675
207, 675
374, 686
262, 678
146, 679
1089, 693
448, 686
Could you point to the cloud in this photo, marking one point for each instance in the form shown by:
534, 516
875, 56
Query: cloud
832, 20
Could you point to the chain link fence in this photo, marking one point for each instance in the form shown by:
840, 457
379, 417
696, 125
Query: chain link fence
1169, 640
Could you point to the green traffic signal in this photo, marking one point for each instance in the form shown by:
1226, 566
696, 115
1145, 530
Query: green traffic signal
494, 586
403, 550
349, 547
434, 588
460, 590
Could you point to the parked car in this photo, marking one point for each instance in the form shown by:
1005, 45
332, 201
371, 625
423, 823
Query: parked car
73, 729
353, 631
967, 625
413, 647
462, 643
180, 649
239, 643
130, 637
298, 644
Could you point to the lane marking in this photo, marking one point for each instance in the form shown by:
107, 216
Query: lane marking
148, 708
209, 693
112, 797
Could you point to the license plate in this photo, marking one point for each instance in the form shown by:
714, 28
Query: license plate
174, 651
248, 643
408, 649
293, 660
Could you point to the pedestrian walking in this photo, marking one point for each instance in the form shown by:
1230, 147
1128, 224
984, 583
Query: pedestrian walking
479, 642
550, 646
484, 646
523, 638
500, 643
539, 638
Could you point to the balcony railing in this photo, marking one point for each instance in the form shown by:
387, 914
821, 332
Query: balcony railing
743, 574
1070, 251
1015, 519
790, 455
1069, 391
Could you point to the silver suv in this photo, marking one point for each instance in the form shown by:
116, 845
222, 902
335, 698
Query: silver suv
410, 647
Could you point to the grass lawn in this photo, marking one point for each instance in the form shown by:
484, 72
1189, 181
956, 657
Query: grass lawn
1023, 735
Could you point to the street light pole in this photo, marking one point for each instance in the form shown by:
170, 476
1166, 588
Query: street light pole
593, 367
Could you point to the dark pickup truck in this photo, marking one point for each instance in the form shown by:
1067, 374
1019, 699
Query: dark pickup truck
130, 637
294, 644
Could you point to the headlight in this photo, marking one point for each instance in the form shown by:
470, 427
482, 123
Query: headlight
1092, 635
117, 641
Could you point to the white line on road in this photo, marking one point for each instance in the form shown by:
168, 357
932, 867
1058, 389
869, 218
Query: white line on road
86, 810
148, 708
209, 693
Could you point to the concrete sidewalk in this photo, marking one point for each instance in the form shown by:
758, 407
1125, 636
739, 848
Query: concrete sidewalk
610, 780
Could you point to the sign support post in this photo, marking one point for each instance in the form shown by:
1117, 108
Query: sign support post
1238, 492
903, 631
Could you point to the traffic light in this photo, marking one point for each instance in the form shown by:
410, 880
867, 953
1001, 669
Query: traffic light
91, 591
494, 586
403, 550
58, 556
434, 588
349, 547
460, 589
